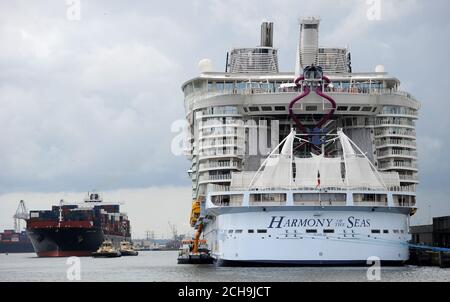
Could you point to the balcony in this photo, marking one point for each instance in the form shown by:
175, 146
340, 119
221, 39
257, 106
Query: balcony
220, 153
397, 153
398, 166
396, 132
383, 143
409, 178
220, 165
215, 178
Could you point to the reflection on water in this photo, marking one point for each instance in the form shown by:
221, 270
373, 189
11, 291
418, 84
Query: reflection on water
162, 266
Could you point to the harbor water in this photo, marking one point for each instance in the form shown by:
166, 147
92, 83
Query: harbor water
162, 266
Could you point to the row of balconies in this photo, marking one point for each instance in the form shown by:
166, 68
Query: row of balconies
397, 111
220, 131
395, 132
397, 153
398, 165
409, 178
221, 123
384, 142
220, 165
217, 177
220, 142
399, 121
221, 152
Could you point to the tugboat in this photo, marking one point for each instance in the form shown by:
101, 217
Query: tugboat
106, 250
127, 249
192, 252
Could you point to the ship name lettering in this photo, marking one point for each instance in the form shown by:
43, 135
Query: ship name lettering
358, 223
276, 222
279, 222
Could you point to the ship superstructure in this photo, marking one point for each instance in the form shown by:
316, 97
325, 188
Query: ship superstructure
237, 117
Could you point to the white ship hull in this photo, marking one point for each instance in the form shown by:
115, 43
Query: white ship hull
285, 235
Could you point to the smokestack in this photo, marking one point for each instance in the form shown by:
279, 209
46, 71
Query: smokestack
267, 34
309, 43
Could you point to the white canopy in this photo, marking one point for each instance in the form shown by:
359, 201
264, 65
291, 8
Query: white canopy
278, 171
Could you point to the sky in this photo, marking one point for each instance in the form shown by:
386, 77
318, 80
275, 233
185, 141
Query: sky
89, 103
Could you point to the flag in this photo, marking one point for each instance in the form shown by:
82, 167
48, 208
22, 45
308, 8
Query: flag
318, 179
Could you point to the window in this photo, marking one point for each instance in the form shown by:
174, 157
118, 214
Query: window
266, 108
262, 231
238, 232
253, 109
395, 231
311, 231
311, 108
376, 231
367, 109
328, 231
355, 108
342, 108
251, 231
275, 198
230, 231
385, 231
280, 108
310, 26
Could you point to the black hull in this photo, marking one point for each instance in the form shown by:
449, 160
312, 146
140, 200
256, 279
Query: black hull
128, 253
16, 247
301, 263
67, 242
106, 255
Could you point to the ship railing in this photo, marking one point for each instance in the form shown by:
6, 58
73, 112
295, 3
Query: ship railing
394, 165
215, 189
409, 177
397, 152
355, 89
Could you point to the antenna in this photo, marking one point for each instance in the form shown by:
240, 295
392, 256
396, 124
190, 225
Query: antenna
21, 213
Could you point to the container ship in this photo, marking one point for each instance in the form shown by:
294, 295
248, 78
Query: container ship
15, 242
77, 229
317, 166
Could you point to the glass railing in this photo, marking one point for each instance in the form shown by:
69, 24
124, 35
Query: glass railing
395, 165
393, 132
397, 153
247, 88
392, 141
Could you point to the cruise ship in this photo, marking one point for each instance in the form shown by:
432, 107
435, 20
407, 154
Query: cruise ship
312, 167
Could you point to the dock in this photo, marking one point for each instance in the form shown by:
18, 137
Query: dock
429, 256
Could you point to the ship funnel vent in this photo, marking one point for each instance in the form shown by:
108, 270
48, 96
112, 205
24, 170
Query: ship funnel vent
261, 59
267, 34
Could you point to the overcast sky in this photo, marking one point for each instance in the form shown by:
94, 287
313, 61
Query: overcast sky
89, 104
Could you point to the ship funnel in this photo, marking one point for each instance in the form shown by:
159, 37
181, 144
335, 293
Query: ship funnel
267, 34
309, 43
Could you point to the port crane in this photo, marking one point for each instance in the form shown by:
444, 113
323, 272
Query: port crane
174, 231
21, 214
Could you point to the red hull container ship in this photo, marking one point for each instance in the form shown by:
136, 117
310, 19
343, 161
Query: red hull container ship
77, 229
